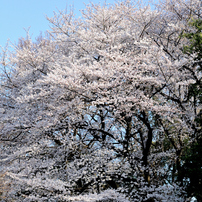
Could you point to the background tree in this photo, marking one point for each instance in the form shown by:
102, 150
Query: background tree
193, 158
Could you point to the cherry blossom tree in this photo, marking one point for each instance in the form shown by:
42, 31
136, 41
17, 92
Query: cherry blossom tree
99, 108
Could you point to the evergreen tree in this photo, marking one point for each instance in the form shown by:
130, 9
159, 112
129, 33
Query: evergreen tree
193, 157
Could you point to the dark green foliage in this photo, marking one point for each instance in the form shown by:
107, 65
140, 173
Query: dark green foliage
193, 169
193, 155
195, 47
195, 39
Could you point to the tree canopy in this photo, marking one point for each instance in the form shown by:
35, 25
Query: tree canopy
193, 156
104, 107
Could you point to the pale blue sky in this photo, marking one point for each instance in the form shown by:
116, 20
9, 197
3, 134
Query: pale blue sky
17, 15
